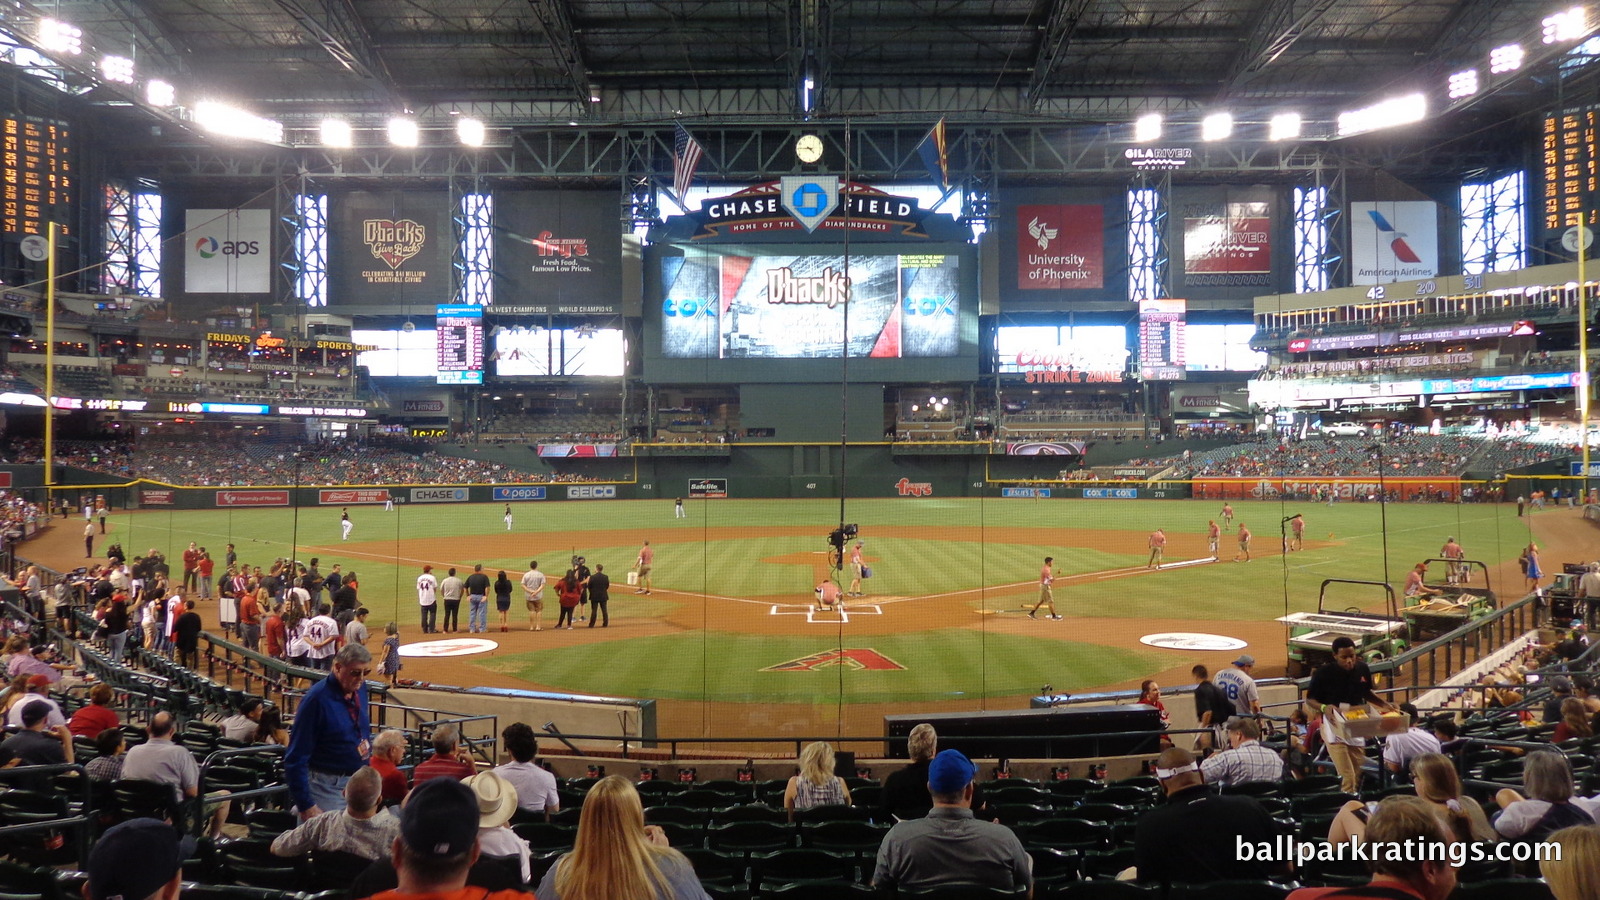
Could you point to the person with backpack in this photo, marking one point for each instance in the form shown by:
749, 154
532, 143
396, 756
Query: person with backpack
1211, 710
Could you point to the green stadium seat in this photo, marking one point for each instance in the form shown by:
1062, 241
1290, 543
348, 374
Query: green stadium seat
821, 890
743, 813
750, 836
1097, 890
962, 892
1229, 890
833, 814
800, 864
1069, 833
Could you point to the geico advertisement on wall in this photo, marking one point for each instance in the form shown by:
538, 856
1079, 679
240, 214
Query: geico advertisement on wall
227, 251
592, 492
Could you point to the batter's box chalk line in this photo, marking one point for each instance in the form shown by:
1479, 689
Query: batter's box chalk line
816, 616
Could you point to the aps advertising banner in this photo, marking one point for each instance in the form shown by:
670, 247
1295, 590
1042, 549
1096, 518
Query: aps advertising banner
389, 246
252, 498
1227, 241
557, 253
1060, 247
790, 306
353, 496
227, 251
1393, 241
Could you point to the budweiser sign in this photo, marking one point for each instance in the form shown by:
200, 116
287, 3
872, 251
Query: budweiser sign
252, 498
346, 497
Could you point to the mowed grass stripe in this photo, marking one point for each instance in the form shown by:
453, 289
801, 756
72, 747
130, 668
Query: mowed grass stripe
939, 664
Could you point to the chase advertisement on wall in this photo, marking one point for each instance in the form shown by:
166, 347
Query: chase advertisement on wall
389, 247
557, 253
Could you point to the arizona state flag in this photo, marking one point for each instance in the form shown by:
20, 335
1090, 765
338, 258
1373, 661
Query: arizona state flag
935, 155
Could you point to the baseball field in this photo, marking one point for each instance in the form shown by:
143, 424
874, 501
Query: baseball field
728, 640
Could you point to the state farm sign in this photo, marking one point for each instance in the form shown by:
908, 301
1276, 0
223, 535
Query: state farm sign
252, 498
352, 497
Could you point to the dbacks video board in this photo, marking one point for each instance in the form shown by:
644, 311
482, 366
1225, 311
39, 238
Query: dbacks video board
792, 306
388, 247
557, 253
764, 313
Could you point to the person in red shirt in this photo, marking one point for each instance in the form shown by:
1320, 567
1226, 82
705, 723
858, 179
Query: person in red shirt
438, 846
250, 621
388, 750
569, 590
205, 566
449, 759
191, 556
276, 634
90, 720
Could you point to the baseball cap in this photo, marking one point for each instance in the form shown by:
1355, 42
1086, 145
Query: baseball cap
950, 772
1245, 660
1561, 684
34, 713
133, 860
440, 818
38, 681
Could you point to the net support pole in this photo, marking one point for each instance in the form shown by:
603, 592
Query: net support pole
50, 361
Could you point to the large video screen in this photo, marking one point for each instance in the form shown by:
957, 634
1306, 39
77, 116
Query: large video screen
523, 352
794, 306
413, 354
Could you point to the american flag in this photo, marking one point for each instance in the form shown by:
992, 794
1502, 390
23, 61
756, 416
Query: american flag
686, 153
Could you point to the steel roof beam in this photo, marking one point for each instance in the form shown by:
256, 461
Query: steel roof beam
339, 31
556, 20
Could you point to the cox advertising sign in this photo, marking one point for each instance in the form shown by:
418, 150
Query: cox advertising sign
708, 488
352, 497
252, 498
1110, 493
519, 493
592, 492
439, 495
1025, 492
157, 497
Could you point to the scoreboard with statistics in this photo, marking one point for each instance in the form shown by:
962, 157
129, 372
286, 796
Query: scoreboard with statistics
1161, 338
37, 174
460, 340
1567, 148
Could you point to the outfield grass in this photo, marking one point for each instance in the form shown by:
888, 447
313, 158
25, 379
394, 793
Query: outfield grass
992, 547
942, 664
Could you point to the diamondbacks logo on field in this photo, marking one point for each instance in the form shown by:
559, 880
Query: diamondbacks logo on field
850, 658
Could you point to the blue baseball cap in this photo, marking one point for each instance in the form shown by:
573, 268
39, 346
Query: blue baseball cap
950, 772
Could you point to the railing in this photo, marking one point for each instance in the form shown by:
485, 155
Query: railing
1456, 649
79, 823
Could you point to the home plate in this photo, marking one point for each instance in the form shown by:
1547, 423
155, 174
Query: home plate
455, 647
